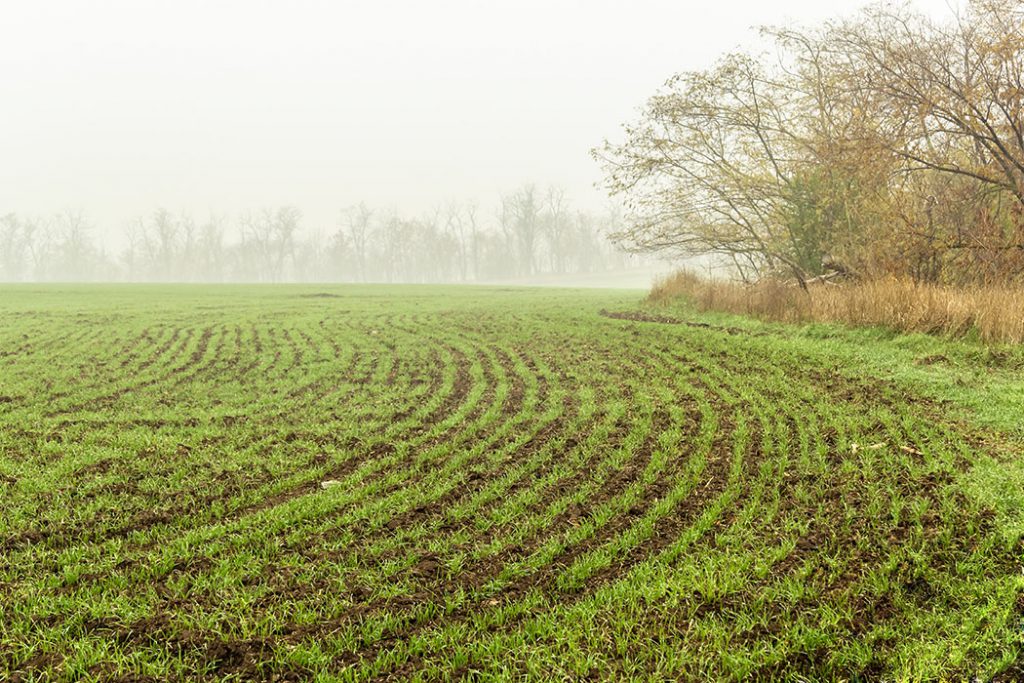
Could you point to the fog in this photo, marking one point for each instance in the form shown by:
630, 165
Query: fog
217, 111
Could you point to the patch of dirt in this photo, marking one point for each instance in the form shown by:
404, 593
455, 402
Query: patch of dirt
645, 317
243, 659
99, 467
934, 359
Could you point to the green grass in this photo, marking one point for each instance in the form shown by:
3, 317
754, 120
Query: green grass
521, 488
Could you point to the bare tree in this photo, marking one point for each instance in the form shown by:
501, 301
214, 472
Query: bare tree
285, 228
13, 248
707, 168
210, 249
557, 229
358, 222
76, 255
40, 236
521, 223
952, 93
457, 228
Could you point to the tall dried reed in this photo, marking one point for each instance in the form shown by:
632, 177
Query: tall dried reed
995, 313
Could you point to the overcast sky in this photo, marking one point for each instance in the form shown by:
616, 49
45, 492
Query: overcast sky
116, 107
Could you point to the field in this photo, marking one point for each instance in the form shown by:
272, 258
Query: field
361, 483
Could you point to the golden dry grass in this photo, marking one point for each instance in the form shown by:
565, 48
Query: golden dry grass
995, 313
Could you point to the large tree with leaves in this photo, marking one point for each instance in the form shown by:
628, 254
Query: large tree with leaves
879, 143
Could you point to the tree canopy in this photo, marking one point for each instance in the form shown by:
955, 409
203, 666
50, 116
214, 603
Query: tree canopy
888, 143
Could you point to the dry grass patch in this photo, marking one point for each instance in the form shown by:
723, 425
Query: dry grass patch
995, 313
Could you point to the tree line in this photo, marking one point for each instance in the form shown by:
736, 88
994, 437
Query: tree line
533, 232
888, 143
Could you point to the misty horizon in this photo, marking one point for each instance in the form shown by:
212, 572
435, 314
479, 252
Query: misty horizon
536, 237
118, 109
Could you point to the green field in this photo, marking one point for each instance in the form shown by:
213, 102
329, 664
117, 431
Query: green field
361, 483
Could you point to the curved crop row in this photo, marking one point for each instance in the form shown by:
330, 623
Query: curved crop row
420, 484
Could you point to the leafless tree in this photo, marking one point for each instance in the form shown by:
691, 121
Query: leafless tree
520, 220
358, 222
13, 248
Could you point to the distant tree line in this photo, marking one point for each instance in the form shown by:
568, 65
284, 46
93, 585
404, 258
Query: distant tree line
532, 233
886, 144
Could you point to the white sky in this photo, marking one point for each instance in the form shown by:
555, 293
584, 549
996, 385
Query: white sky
116, 107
